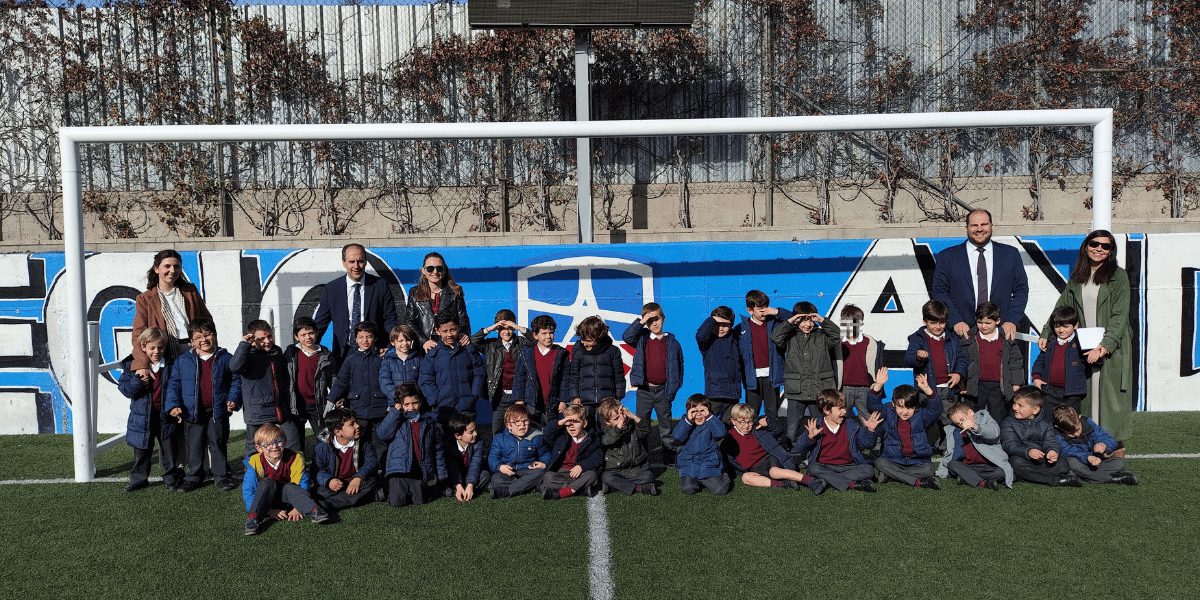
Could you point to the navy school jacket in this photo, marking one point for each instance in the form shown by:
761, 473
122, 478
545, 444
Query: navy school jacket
183, 389
326, 457
1018, 436
596, 374
1080, 448
746, 344
636, 335
393, 371
920, 421
452, 378
955, 358
860, 437
518, 453
527, 386
765, 439
263, 375
358, 383
459, 473
699, 453
397, 432
722, 360
1074, 365
590, 457
137, 430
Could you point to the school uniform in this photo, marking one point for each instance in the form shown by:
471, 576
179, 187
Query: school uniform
946, 357
593, 375
310, 375
335, 461
657, 373
266, 486
465, 466
722, 358
699, 459
835, 455
994, 366
756, 451
518, 453
975, 456
501, 364
415, 461
808, 369
1077, 449
357, 383
762, 364
202, 388
858, 361
149, 422
1018, 436
265, 385
452, 379
538, 383
906, 448
394, 371
1064, 371
566, 453
625, 458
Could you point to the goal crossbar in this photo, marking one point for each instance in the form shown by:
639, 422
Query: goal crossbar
82, 404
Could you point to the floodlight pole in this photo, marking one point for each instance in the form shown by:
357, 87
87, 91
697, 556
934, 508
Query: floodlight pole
583, 146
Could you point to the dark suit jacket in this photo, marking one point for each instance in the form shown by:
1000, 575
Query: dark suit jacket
953, 283
378, 306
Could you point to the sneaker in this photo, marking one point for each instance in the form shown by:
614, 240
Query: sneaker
318, 515
1124, 478
227, 484
864, 485
650, 489
251, 527
186, 487
818, 486
931, 483
133, 487
992, 484
789, 484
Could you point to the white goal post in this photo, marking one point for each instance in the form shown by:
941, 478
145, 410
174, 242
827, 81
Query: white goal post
82, 403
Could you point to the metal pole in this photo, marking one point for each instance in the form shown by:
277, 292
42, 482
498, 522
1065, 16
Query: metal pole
1102, 153
93, 366
583, 147
77, 335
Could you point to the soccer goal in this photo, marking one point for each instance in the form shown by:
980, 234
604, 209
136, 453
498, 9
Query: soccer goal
80, 381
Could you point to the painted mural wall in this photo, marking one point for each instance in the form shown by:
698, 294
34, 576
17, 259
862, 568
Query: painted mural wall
888, 278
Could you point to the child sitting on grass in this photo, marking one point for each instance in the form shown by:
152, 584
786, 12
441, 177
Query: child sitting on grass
757, 456
834, 445
275, 485
517, 458
346, 466
699, 459
575, 456
1031, 444
625, 456
973, 451
1088, 448
906, 448
464, 459
415, 459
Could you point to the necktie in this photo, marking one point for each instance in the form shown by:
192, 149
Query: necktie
355, 312
981, 276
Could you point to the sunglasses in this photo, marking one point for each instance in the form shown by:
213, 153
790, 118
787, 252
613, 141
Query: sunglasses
435, 269
1100, 245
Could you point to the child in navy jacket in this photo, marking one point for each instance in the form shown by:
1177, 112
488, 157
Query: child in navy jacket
719, 345
699, 460
575, 456
311, 371
345, 465
940, 357
401, 363
538, 382
596, 370
756, 454
465, 472
201, 392
517, 457
263, 372
415, 460
1031, 443
906, 449
657, 370
1089, 449
1061, 371
452, 375
762, 360
357, 385
834, 445
148, 418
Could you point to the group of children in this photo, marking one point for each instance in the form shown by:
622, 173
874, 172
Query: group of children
400, 426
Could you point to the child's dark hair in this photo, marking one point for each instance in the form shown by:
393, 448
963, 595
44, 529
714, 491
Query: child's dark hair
505, 315
906, 396
650, 307
301, 323
1066, 420
608, 408
259, 325
591, 328
408, 390
757, 299
852, 313
367, 326
458, 423
1030, 394
337, 417
201, 325
402, 330
699, 400
541, 322
723, 312
987, 310
446, 317
804, 307
1064, 315
828, 399
934, 311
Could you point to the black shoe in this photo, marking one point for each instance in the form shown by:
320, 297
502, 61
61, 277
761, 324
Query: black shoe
992, 484
864, 485
1121, 478
171, 486
604, 489
251, 527
880, 478
931, 483
318, 515
1075, 481
818, 486
1068, 481
791, 485
650, 489
549, 494
227, 484
133, 487
186, 487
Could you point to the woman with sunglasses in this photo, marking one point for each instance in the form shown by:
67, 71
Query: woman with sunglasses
1098, 290
435, 293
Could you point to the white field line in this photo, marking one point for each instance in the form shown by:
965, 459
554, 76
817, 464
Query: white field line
600, 583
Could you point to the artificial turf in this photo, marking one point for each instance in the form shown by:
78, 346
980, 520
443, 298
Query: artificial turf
90, 540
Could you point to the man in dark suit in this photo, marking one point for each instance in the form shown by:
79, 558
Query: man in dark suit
350, 300
978, 270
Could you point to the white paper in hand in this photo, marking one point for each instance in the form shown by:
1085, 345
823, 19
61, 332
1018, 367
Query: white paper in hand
1090, 337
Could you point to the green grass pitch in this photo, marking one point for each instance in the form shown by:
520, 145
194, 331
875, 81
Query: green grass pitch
92, 541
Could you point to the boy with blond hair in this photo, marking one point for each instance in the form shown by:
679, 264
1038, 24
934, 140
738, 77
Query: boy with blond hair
625, 456
756, 454
575, 456
275, 485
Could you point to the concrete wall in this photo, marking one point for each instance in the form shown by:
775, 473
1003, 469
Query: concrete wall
888, 278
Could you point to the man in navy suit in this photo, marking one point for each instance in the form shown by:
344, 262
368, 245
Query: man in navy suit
978, 270
350, 300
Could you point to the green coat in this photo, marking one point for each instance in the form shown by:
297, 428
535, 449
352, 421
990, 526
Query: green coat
1116, 372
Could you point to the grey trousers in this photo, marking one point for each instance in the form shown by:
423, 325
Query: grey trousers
655, 398
909, 474
403, 490
840, 476
271, 494
560, 479
206, 437
1101, 474
525, 481
1038, 472
627, 480
167, 456
764, 396
718, 486
856, 398
340, 499
973, 475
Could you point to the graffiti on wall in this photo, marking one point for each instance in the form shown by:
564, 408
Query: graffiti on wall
888, 278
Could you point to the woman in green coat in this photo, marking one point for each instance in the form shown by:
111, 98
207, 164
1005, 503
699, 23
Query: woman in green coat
1098, 290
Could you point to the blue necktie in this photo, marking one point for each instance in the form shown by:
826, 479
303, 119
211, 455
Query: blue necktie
355, 312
